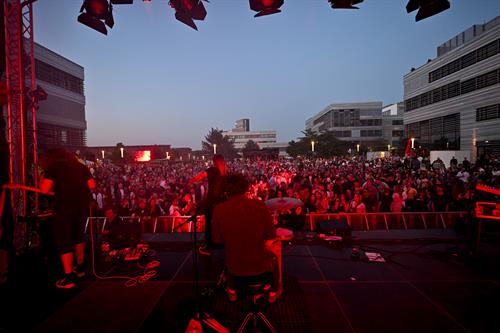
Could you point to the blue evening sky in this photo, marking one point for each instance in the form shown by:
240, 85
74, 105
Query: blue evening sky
153, 80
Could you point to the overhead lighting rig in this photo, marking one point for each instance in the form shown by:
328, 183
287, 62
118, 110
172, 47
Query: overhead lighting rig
96, 14
344, 4
427, 8
266, 7
186, 11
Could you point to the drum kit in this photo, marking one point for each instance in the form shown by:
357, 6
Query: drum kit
275, 205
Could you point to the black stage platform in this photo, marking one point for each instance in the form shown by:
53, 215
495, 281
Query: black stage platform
426, 284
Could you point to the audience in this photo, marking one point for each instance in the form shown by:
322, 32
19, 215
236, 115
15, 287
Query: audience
324, 185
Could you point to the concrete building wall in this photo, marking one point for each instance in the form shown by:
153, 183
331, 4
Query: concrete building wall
61, 117
483, 74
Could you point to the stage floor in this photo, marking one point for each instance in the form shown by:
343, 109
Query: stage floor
424, 285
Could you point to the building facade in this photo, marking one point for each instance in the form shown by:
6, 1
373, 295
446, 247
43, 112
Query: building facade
392, 123
242, 125
241, 134
354, 122
61, 118
453, 101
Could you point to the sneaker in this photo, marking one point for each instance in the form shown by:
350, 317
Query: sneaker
79, 271
66, 282
231, 295
205, 250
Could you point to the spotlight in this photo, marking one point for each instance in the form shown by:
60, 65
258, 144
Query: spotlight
344, 4
427, 8
96, 13
266, 7
188, 10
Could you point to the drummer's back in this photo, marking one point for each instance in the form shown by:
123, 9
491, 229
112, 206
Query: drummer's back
243, 225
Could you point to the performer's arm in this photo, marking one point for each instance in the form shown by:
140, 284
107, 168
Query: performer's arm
198, 178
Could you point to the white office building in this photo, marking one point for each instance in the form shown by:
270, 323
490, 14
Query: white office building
453, 101
241, 134
355, 122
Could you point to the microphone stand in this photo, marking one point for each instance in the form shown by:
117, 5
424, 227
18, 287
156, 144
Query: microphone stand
199, 316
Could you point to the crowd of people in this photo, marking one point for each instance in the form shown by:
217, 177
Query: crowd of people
349, 185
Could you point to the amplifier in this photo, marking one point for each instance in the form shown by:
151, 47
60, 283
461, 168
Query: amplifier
334, 227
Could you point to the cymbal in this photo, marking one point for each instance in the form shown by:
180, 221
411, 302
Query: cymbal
283, 203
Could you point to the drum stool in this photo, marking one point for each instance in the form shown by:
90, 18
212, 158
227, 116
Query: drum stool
254, 288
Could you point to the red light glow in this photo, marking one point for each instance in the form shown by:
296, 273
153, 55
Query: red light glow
98, 7
267, 3
142, 156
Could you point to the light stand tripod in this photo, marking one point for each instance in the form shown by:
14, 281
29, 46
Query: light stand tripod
199, 317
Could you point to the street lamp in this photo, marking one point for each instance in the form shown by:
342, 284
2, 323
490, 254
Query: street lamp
102, 152
312, 146
412, 143
389, 147
357, 147
121, 152
215, 149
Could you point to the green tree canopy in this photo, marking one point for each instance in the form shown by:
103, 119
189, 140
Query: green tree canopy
224, 144
326, 144
251, 145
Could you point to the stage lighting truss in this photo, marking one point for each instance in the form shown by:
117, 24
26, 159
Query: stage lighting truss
344, 4
97, 14
186, 11
266, 7
427, 8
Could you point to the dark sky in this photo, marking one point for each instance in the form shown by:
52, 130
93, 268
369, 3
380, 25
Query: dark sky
153, 80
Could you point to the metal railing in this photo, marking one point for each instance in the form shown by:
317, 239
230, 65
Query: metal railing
356, 221
149, 224
390, 221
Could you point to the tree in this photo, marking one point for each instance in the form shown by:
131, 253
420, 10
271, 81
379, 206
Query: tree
326, 144
251, 145
224, 144
116, 155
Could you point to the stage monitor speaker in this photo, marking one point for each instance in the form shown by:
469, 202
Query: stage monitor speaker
334, 227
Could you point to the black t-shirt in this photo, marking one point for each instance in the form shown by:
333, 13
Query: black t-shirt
215, 186
71, 191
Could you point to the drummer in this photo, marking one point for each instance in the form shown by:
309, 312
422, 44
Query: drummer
245, 227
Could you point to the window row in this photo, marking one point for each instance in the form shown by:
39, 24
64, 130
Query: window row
370, 122
484, 52
488, 112
453, 89
57, 77
365, 133
439, 132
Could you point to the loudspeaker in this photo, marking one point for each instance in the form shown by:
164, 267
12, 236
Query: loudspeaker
334, 227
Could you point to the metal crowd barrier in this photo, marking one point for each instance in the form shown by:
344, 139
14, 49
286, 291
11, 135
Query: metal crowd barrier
357, 221
390, 221
149, 224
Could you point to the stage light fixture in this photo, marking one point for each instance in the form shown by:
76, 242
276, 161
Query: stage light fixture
96, 14
266, 7
427, 8
186, 11
344, 4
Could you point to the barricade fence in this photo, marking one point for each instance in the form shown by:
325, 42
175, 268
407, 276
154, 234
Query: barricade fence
356, 221
149, 224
